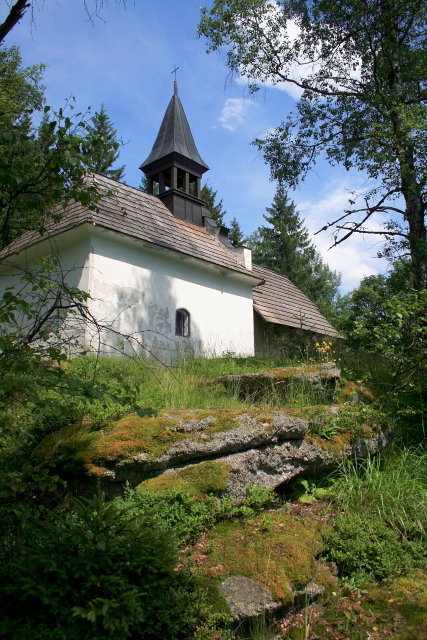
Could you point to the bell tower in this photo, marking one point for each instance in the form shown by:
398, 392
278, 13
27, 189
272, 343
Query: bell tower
176, 166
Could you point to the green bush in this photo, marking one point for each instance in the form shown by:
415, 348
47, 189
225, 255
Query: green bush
174, 511
383, 526
365, 548
94, 573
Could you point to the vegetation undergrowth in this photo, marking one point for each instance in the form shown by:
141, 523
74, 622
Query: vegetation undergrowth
382, 527
378, 532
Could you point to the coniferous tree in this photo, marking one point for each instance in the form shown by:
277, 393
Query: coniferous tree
143, 186
104, 146
208, 195
285, 247
235, 234
42, 168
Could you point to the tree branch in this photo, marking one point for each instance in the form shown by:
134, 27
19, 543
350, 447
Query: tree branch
16, 13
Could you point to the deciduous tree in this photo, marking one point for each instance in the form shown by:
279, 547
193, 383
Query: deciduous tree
361, 68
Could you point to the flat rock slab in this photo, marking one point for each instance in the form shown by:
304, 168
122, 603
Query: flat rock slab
253, 431
321, 376
246, 598
276, 463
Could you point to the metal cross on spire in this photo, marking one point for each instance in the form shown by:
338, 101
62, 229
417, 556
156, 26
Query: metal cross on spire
174, 71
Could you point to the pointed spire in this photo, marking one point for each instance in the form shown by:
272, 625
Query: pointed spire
175, 165
175, 137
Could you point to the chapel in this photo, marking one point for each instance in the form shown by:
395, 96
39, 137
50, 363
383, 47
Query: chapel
162, 273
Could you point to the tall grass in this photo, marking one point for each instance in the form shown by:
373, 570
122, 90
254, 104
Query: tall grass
381, 527
392, 486
186, 384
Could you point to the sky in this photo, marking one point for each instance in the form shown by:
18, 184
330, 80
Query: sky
124, 60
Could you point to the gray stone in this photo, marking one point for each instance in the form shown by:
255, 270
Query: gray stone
246, 598
273, 427
324, 375
307, 595
273, 464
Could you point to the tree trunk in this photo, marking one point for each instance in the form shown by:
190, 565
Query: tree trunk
415, 217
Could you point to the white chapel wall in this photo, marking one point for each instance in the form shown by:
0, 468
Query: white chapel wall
138, 289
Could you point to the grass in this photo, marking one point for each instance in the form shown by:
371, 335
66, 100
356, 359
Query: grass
381, 529
392, 486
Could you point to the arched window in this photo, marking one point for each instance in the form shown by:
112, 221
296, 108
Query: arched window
182, 323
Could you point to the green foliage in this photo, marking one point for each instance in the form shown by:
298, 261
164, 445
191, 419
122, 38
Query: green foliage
365, 548
284, 246
367, 303
257, 498
172, 511
383, 526
307, 491
104, 146
208, 195
401, 337
42, 168
363, 104
360, 421
96, 572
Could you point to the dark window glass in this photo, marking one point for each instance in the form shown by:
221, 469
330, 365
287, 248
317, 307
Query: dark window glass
182, 323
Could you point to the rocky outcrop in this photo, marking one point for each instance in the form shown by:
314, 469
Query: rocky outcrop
210, 451
273, 464
253, 431
318, 376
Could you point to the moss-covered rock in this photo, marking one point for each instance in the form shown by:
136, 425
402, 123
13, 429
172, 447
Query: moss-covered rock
198, 480
169, 438
322, 376
355, 393
277, 550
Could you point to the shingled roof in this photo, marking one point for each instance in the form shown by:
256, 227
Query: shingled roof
135, 213
281, 302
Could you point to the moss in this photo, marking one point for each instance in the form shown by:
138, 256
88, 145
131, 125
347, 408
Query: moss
80, 446
326, 579
335, 444
355, 392
199, 480
395, 609
276, 549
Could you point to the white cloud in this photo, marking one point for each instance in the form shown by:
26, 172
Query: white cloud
234, 111
356, 256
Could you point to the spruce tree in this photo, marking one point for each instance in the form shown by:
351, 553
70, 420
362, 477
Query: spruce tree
143, 186
208, 195
235, 234
285, 247
104, 146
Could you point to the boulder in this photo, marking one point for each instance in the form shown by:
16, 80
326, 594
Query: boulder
211, 451
269, 465
318, 376
247, 599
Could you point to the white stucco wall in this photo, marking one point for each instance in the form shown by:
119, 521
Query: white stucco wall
136, 289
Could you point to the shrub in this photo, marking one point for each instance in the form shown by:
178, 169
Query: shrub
364, 547
94, 573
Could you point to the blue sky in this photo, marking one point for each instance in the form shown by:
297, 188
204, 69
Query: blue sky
125, 59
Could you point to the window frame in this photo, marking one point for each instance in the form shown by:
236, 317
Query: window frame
185, 323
